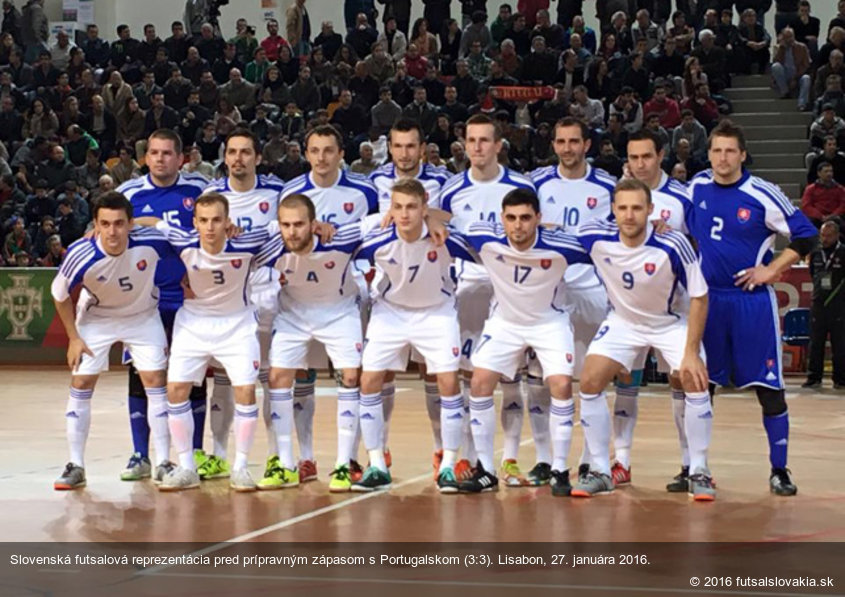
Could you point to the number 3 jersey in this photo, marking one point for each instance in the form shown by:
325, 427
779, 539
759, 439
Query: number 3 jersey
113, 286
525, 282
642, 281
219, 281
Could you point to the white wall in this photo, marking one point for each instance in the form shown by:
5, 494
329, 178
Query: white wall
136, 13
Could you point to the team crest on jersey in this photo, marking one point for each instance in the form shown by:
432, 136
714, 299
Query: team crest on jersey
264, 207
456, 351
545, 263
770, 363
665, 214
359, 347
329, 265
237, 263
568, 357
592, 202
743, 214
141, 265
188, 203
255, 365
348, 207
650, 268
432, 256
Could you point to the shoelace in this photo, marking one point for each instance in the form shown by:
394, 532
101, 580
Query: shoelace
783, 476
134, 460
701, 480
68, 469
341, 473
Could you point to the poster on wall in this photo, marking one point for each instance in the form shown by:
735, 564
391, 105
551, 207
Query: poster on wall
268, 9
70, 10
67, 26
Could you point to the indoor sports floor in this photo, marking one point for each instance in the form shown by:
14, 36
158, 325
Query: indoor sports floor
33, 452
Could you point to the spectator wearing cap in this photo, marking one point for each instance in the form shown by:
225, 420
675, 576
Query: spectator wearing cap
825, 197
790, 69
831, 154
827, 124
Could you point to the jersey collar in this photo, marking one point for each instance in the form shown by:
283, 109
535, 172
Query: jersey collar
742, 179
587, 173
499, 177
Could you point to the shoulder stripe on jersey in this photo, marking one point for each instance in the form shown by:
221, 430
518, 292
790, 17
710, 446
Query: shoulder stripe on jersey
775, 194
561, 239
679, 243
273, 248
598, 226
81, 254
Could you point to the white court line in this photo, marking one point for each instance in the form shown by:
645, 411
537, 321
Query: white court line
497, 584
297, 519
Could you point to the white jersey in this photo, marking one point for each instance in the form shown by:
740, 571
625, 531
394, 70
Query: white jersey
642, 281
671, 203
349, 199
219, 282
113, 286
253, 209
320, 277
570, 202
470, 201
413, 275
431, 177
525, 282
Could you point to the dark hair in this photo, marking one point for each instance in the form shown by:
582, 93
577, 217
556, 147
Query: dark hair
211, 199
822, 164
632, 184
687, 112
727, 128
295, 200
246, 134
122, 28
647, 135
406, 125
570, 121
111, 200
521, 196
484, 119
167, 135
325, 130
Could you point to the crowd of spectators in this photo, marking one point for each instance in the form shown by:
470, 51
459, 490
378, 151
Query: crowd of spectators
74, 118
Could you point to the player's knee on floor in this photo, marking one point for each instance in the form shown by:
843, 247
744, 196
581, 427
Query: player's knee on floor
772, 401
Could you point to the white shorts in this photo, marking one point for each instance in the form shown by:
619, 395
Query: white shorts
502, 346
474, 298
626, 343
294, 332
393, 331
142, 335
229, 340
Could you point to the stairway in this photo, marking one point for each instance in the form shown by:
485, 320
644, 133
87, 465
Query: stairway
776, 131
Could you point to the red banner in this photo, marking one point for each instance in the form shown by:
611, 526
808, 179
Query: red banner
795, 289
522, 94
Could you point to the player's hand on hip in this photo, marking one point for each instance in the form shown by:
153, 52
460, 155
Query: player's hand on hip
694, 373
752, 277
75, 349
325, 231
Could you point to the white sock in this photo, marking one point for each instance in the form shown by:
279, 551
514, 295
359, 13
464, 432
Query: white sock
452, 421
372, 428
246, 421
222, 413
512, 416
561, 423
266, 412
347, 423
483, 424
698, 422
180, 419
468, 445
595, 419
678, 408
624, 420
539, 403
281, 420
303, 417
157, 420
433, 406
78, 423
388, 394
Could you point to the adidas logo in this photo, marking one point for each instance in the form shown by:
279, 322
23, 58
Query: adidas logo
584, 423
162, 415
485, 481
500, 258
620, 413
137, 415
101, 278
367, 417
347, 413
392, 261
475, 422
275, 417
455, 417
297, 406
72, 415
513, 406
215, 408
569, 424
467, 207
782, 442
550, 200
703, 204
707, 415
771, 376
535, 410
148, 209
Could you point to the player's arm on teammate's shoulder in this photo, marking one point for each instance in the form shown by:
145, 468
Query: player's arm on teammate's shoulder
60, 290
147, 221
459, 246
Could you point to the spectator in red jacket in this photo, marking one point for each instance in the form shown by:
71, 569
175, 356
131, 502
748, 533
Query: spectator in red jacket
664, 106
703, 107
823, 198
273, 41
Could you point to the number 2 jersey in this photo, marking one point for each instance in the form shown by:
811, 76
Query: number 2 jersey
113, 286
174, 205
736, 225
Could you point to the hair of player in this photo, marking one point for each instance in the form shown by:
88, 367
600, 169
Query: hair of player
570, 121
325, 130
412, 187
406, 125
167, 135
246, 134
647, 135
212, 199
484, 119
113, 200
726, 128
632, 184
521, 197
296, 200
